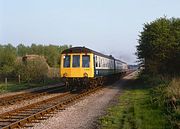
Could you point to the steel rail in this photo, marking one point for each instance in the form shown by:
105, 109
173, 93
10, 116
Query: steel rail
26, 111
14, 99
20, 117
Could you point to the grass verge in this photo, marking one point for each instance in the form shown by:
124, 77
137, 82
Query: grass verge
13, 86
147, 103
134, 111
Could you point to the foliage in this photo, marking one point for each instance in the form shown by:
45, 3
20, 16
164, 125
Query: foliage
147, 102
134, 112
14, 87
11, 66
11, 87
159, 46
159, 53
164, 94
149, 80
7, 59
35, 69
51, 52
168, 96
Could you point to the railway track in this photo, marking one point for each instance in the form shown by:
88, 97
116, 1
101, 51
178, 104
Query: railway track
29, 114
14, 99
20, 117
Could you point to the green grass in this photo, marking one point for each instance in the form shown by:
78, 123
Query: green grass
134, 111
13, 87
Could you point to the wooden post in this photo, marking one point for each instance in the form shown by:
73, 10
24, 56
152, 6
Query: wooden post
44, 79
19, 79
6, 83
6, 80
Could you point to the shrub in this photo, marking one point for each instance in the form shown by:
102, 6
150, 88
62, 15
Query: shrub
32, 70
167, 96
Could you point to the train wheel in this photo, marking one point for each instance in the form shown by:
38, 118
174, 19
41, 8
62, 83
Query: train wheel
101, 81
91, 83
67, 85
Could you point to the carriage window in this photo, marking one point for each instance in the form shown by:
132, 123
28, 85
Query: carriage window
85, 61
67, 59
96, 64
76, 61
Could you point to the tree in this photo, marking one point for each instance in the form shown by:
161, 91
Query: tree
51, 52
22, 50
7, 59
159, 46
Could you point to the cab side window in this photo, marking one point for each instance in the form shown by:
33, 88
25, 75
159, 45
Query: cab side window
67, 59
85, 61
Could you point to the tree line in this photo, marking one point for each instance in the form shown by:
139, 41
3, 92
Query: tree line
159, 46
10, 66
51, 52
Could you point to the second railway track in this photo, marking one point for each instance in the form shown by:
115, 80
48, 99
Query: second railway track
14, 99
20, 117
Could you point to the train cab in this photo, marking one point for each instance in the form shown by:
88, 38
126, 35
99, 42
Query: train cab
76, 63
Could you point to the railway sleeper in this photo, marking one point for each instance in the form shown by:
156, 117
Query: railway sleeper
39, 115
35, 121
27, 112
35, 110
3, 122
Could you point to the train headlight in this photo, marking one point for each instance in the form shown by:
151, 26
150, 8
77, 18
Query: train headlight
85, 75
65, 75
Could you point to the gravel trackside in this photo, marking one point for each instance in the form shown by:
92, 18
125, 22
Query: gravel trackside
84, 114
23, 103
7, 108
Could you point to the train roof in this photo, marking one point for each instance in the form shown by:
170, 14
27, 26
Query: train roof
87, 50
121, 61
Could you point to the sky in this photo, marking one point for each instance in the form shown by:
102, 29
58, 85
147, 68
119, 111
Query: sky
107, 26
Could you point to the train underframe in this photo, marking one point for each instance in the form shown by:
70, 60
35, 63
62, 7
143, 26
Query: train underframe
87, 82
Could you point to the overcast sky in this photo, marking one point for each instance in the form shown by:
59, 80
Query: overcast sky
107, 26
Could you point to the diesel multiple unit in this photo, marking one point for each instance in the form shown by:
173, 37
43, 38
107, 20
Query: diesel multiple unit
83, 67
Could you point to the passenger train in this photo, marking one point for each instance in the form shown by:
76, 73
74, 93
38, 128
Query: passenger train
82, 67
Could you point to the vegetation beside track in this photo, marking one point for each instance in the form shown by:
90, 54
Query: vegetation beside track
23, 67
13, 87
29, 63
153, 100
147, 103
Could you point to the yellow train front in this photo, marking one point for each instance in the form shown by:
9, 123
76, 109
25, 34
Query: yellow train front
83, 68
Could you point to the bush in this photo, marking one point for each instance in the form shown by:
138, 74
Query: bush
173, 89
152, 80
167, 97
32, 70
